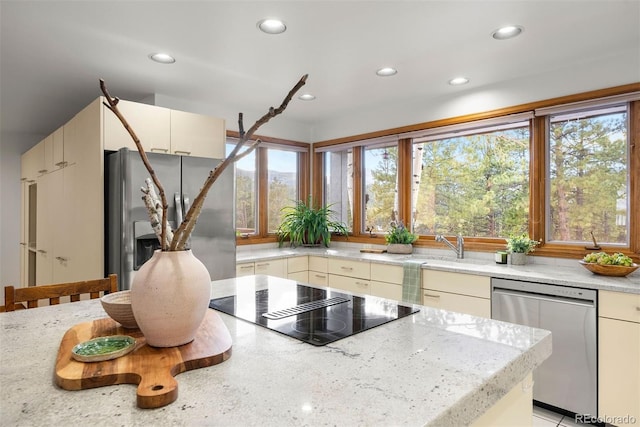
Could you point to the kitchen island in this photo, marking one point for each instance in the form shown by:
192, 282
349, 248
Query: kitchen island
434, 367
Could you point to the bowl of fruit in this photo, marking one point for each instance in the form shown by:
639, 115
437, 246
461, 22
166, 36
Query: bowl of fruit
618, 265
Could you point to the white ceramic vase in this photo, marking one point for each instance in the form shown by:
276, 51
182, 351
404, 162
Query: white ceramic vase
169, 297
518, 258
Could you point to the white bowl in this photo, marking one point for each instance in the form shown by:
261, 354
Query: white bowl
118, 307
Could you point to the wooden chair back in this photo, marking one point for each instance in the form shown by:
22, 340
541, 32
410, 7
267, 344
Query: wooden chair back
14, 297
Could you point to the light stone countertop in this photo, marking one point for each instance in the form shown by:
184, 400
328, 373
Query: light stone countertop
562, 272
433, 368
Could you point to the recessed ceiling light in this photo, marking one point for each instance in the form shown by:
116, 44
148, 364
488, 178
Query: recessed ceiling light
307, 97
386, 71
271, 26
458, 81
162, 58
507, 32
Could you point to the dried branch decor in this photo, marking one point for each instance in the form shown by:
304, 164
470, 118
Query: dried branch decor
157, 203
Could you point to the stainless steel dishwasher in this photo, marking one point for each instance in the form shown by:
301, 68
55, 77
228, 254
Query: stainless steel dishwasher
568, 378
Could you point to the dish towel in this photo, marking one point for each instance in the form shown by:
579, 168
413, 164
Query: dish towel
411, 286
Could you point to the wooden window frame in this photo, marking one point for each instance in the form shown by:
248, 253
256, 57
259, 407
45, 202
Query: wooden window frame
262, 167
537, 177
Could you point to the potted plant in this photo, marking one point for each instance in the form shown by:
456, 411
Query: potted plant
399, 239
519, 246
170, 292
307, 225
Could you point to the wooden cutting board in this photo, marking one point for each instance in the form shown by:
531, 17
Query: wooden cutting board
373, 251
152, 368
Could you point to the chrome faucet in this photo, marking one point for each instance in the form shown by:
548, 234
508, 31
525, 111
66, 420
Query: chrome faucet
458, 248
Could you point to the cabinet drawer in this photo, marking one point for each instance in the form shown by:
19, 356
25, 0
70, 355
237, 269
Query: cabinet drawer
618, 305
457, 283
386, 290
460, 303
350, 284
299, 276
318, 278
359, 269
245, 269
387, 273
318, 263
271, 268
296, 264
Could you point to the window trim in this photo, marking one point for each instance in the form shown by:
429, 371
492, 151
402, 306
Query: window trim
537, 170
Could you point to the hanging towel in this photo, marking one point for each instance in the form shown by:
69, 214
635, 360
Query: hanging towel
411, 281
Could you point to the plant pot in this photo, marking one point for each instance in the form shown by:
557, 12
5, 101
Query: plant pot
517, 258
170, 296
399, 248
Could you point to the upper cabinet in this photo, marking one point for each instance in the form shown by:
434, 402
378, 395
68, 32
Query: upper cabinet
161, 130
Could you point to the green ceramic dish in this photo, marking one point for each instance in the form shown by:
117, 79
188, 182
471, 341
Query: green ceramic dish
103, 348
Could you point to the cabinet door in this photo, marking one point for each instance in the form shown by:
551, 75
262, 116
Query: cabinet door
343, 267
31, 162
57, 143
387, 273
297, 264
318, 278
350, 284
457, 283
244, 269
317, 263
386, 290
272, 268
197, 135
619, 369
151, 124
48, 214
299, 276
480, 307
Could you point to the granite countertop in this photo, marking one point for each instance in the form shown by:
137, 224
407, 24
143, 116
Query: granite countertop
435, 367
542, 270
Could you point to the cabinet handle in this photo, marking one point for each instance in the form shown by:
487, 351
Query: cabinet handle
186, 153
62, 164
320, 276
43, 171
164, 150
23, 244
246, 267
431, 295
62, 259
264, 264
42, 251
23, 179
31, 181
365, 284
346, 268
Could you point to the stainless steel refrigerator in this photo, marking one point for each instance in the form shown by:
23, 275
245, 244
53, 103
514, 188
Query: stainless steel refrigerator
129, 237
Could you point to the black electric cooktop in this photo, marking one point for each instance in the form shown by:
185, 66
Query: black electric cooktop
316, 316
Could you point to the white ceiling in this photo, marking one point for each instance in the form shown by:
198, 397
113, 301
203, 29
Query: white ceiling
53, 53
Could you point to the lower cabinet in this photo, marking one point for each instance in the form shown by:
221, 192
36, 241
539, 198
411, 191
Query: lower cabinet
463, 293
350, 284
318, 271
388, 281
349, 275
245, 269
298, 268
276, 267
514, 409
619, 358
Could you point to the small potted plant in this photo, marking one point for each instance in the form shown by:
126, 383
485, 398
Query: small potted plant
399, 239
307, 225
519, 246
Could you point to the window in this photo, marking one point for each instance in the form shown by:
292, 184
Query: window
338, 185
267, 180
474, 181
588, 176
246, 185
380, 180
282, 178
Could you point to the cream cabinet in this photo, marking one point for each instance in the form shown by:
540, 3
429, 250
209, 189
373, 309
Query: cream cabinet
350, 275
463, 293
318, 274
162, 130
275, 267
245, 269
388, 281
298, 268
619, 356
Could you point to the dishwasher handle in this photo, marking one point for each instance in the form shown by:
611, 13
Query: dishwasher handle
543, 297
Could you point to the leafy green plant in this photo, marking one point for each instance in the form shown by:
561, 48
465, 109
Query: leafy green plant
399, 234
521, 244
306, 224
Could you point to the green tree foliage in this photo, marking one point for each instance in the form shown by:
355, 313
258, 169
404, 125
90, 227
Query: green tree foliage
588, 178
381, 189
245, 204
280, 195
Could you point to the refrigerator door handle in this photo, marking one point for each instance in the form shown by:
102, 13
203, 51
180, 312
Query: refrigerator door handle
176, 198
186, 202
